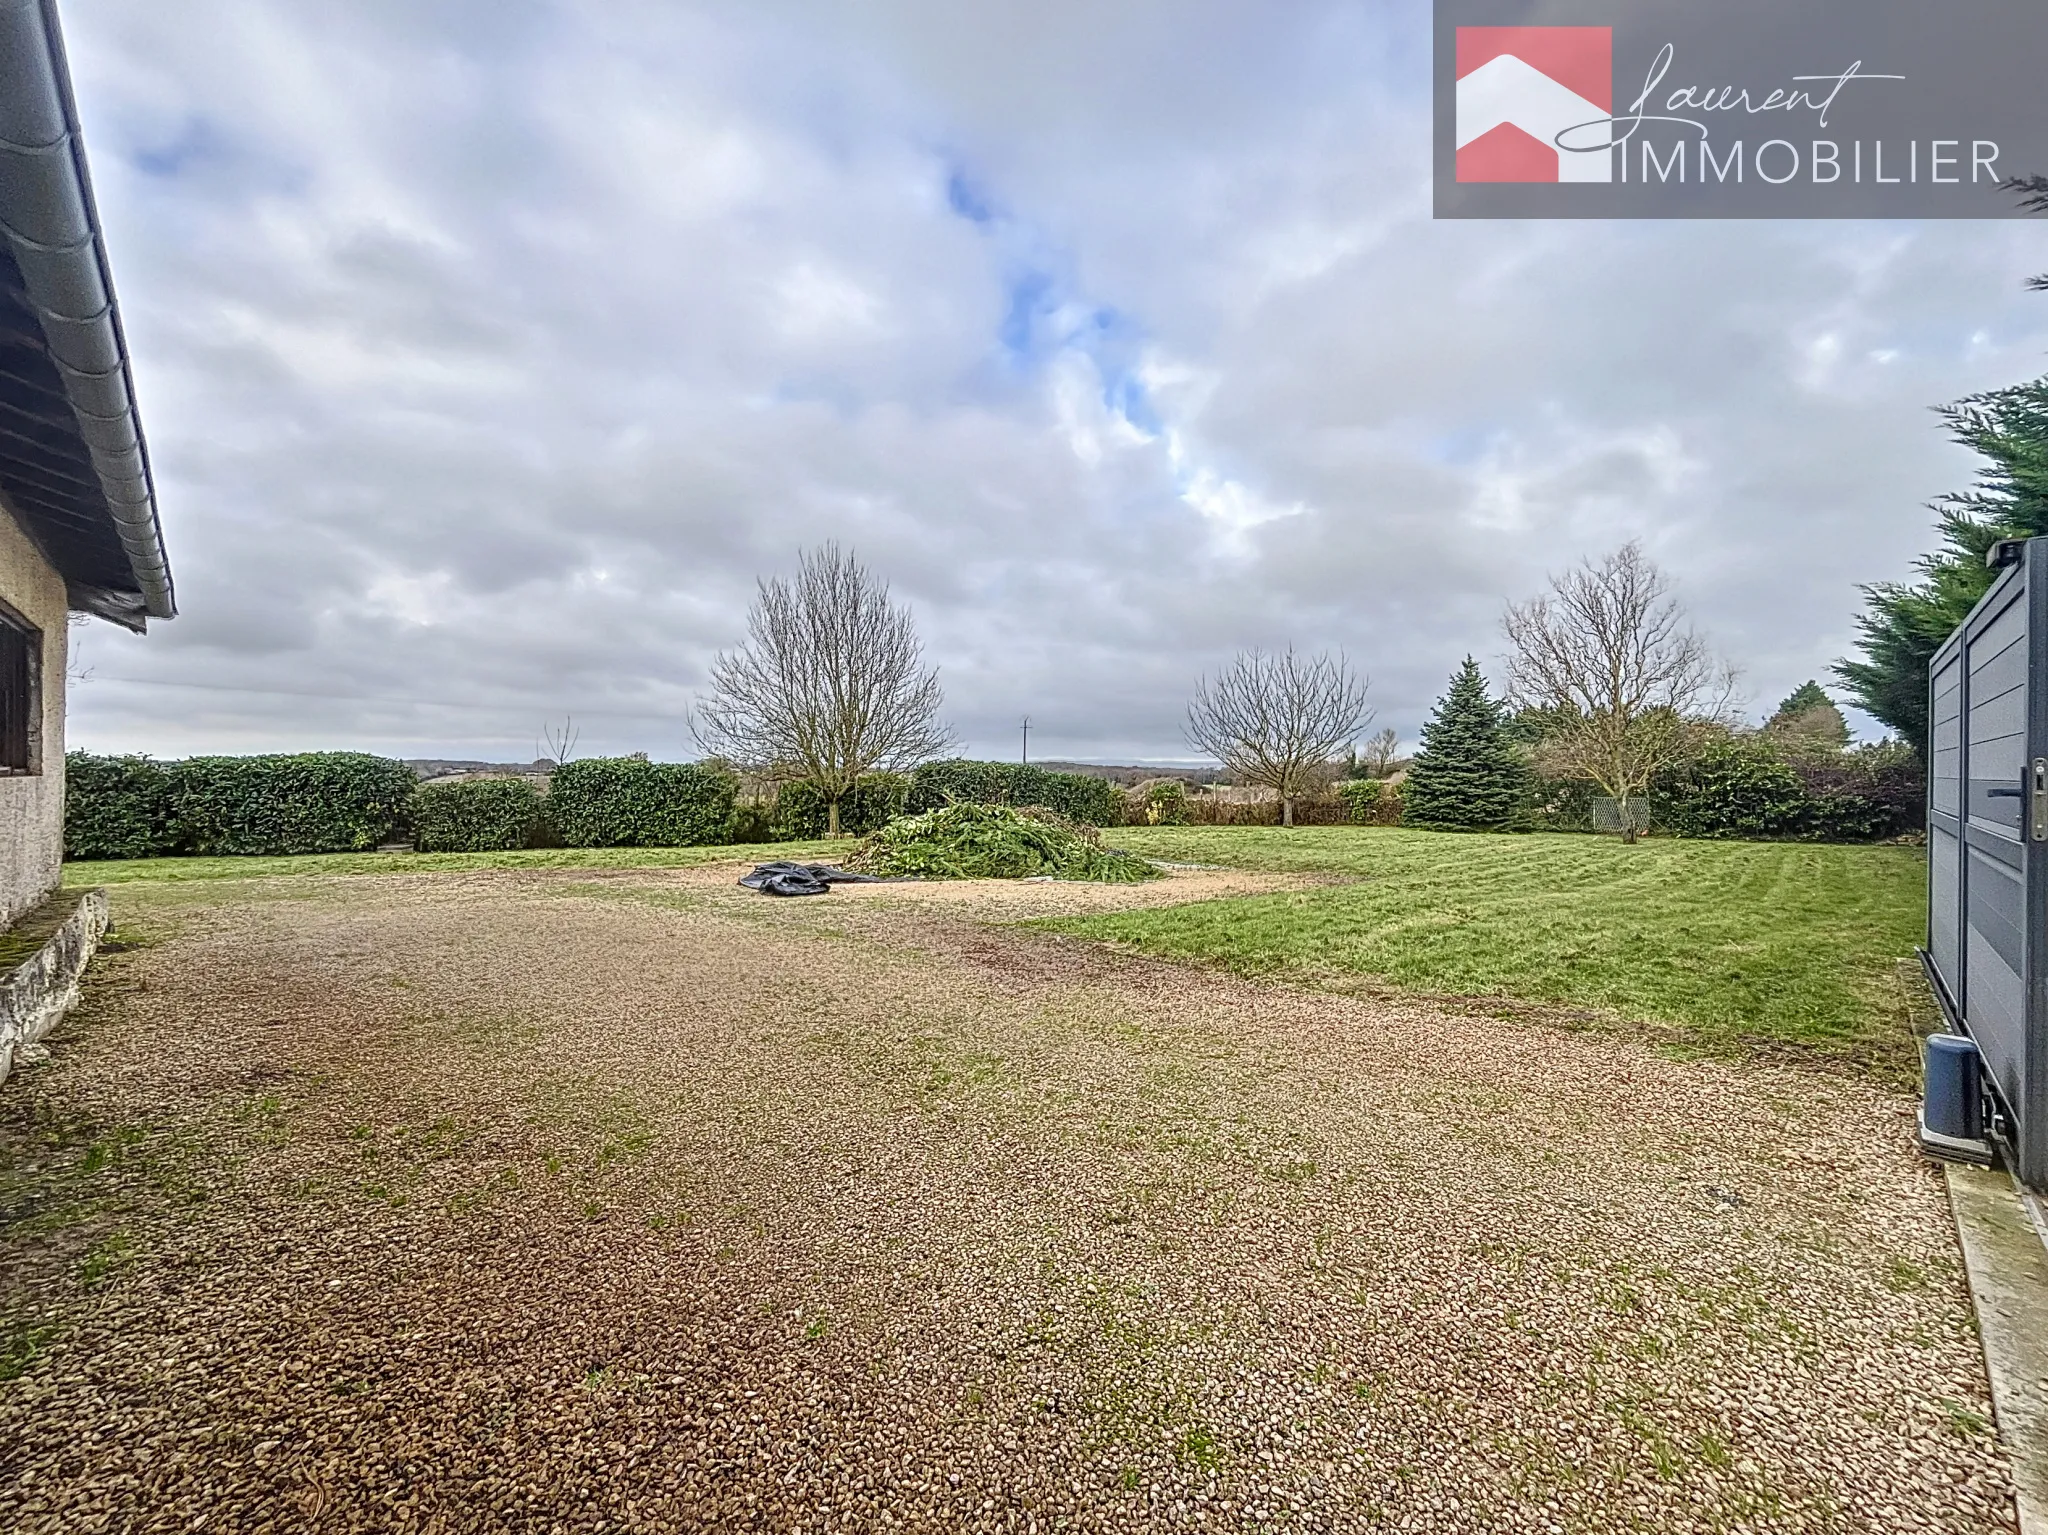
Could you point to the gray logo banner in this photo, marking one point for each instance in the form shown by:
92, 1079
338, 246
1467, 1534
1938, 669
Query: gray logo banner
1686, 109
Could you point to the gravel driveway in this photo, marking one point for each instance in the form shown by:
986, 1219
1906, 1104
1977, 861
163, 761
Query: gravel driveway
549, 1202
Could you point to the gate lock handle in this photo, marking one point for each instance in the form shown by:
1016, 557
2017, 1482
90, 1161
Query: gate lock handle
2037, 801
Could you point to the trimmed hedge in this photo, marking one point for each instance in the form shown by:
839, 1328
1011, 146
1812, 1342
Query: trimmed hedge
750, 823
116, 807
1867, 792
1565, 804
1732, 789
1746, 787
631, 802
1215, 810
312, 802
1077, 796
1371, 801
1164, 803
802, 812
956, 780
475, 815
271, 806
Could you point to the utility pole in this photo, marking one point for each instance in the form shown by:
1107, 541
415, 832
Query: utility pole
1027, 738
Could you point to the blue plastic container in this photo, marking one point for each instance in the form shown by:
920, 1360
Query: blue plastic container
1953, 1098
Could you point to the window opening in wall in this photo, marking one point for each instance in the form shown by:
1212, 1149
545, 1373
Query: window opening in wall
21, 648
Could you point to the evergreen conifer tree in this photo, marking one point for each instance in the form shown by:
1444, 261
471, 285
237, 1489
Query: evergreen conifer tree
1808, 695
1469, 774
1907, 622
1808, 722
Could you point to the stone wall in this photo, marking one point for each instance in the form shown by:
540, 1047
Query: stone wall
43, 989
32, 805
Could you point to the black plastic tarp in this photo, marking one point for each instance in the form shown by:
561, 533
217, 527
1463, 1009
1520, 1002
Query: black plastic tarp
802, 878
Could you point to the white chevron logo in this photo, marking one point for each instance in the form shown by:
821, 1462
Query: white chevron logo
1506, 90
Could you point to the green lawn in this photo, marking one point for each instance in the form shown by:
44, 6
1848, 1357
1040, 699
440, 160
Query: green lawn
122, 871
1725, 945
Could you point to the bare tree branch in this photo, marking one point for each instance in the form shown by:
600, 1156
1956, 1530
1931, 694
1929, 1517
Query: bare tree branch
1378, 754
560, 741
1275, 720
831, 683
1607, 657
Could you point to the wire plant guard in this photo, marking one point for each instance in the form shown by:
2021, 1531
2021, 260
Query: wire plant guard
1607, 814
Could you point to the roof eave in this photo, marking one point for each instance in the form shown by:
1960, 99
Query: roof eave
52, 224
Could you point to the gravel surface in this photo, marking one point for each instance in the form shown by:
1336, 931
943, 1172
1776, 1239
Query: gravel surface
550, 1202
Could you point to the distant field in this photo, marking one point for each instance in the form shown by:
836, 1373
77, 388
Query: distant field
1725, 945
116, 872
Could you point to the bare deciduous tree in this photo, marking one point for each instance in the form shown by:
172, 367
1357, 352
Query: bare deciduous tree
1378, 754
831, 683
1275, 720
558, 742
1623, 683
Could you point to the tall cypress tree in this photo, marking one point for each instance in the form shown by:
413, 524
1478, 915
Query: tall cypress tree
1469, 774
1808, 721
1907, 622
1808, 695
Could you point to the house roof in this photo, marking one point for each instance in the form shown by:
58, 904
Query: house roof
73, 464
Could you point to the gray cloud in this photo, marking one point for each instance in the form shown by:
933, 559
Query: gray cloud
490, 352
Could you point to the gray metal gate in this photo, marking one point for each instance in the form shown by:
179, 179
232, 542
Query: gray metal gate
1987, 843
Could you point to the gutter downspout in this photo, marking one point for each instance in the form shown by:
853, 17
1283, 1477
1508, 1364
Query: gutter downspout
57, 244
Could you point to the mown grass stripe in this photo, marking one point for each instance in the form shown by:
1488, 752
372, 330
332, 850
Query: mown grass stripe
1726, 945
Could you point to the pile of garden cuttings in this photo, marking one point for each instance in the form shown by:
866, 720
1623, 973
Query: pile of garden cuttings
969, 841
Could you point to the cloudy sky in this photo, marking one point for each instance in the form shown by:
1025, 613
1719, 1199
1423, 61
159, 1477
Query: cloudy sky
489, 351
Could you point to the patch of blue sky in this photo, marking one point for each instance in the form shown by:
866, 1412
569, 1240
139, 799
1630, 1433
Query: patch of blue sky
841, 397
1124, 392
1462, 447
200, 153
965, 199
1042, 322
195, 142
1024, 331
1045, 316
